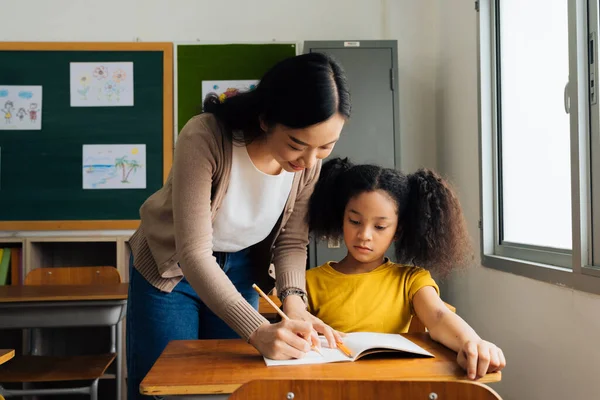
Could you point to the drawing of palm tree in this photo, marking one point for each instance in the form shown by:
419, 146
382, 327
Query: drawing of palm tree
122, 163
133, 166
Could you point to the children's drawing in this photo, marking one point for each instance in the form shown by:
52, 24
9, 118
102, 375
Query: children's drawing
114, 166
21, 114
20, 107
108, 84
226, 89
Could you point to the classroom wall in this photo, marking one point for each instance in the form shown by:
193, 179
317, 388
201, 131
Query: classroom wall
408, 21
549, 333
266, 20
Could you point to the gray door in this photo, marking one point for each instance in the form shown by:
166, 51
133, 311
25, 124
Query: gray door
370, 136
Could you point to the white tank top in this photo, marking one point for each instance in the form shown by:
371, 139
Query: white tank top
252, 205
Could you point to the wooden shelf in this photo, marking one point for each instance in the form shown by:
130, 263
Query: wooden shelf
70, 251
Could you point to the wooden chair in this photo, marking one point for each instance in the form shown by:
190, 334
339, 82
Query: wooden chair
416, 326
36, 368
361, 390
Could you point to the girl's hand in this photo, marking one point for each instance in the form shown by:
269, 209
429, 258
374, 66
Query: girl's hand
283, 340
479, 357
295, 309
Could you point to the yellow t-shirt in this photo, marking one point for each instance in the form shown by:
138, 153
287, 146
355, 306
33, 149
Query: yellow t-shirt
376, 301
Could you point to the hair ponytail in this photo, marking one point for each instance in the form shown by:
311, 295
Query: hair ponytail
433, 231
327, 203
239, 113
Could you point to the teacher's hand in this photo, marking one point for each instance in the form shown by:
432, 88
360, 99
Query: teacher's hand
295, 309
283, 340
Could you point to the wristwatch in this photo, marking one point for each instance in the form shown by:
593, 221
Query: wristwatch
290, 291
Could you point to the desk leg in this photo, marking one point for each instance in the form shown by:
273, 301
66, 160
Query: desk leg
119, 359
36, 342
35, 349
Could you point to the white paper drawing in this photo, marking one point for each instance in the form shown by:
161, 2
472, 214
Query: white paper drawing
98, 84
21, 108
225, 89
114, 166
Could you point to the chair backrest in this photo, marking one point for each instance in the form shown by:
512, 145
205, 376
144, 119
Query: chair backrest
73, 276
361, 390
416, 326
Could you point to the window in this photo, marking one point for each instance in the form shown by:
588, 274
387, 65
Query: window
594, 137
538, 116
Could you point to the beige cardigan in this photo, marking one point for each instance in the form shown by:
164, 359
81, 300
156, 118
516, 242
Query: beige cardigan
175, 234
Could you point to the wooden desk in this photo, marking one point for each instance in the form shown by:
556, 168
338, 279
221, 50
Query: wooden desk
213, 369
62, 306
6, 355
19, 294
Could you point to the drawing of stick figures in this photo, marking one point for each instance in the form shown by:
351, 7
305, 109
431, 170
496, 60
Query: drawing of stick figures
33, 111
8, 107
21, 114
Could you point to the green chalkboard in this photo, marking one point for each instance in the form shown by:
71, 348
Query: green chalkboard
41, 171
210, 62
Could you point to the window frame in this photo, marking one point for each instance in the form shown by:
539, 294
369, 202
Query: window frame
573, 268
594, 137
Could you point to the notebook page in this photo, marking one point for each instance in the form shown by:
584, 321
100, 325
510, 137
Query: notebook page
312, 357
359, 342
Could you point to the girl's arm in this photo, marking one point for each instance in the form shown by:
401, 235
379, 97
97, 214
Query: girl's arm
475, 355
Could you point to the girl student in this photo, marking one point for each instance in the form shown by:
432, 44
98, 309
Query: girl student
373, 208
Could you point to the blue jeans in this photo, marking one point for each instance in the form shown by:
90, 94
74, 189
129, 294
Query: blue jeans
154, 318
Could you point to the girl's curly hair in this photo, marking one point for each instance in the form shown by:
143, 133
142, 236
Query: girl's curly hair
431, 231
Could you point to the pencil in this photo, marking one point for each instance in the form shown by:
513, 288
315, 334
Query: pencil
279, 311
343, 348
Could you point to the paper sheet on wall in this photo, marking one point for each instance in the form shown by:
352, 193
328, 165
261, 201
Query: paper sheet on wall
20, 107
114, 166
101, 84
225, 89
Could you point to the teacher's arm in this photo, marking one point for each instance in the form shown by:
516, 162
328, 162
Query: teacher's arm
290, 251
289, 259
195, 163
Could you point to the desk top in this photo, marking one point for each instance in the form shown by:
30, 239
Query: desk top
221, 366
15, 294
6, 355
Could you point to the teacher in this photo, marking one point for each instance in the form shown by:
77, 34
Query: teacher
235, 201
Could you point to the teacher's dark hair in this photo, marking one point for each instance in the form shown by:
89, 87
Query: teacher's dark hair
297, 92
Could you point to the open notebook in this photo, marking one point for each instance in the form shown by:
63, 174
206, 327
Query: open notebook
361, 344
